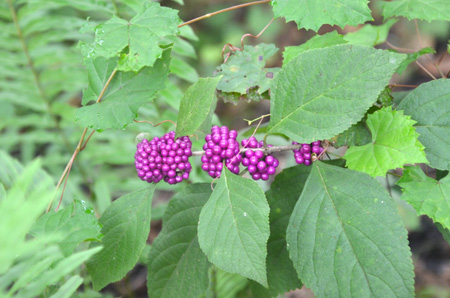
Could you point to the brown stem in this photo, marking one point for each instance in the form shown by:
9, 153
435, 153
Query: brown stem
266, 150
426, 56
80, 145
425, 70
208, 15
402, 86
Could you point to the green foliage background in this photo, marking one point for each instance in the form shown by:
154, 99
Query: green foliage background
47, 95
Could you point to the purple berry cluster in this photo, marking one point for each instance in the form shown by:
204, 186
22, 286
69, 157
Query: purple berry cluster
259, 166
164, 158
221, 145
303, 155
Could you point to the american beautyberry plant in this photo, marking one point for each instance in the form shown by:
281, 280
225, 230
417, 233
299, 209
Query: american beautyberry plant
296, 200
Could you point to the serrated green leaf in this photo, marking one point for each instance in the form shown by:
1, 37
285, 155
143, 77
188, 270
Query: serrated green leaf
317, 42
282, 197
410, 58
357, 135
176, 265
428, 196
234, 227
429, 105
126, 224
322, 92
246, 69
394, 143
124, 95
197, 107
77, 223
140, 37
370, 35
312, 14
429, 10
346, 239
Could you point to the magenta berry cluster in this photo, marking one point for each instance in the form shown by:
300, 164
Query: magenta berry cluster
304, 154
221, 144
164, 158
259, 166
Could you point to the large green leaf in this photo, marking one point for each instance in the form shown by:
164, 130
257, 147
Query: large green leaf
126, 224
394, 143
358, 134
197, 107
346, 239
322, 92
246, 69
77, 223
426, 195
370, 35
282, 197
312, 14
176, 265
139, 37
124, 95
429, 105
234, 227
429, 10
317, 42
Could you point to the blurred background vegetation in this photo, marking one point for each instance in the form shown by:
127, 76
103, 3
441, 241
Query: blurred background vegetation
41, 83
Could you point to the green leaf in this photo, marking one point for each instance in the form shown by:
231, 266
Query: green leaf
394, 143
234, 227
346, 239
312, 14
246, 69
225, 285
317, 42
124, 95
410, 58
428, 196
429, 105
282, 197
77, 223
322, 92
370, 35
126, 224
357, 135
183, 70
428, 10
177, 267
445, 232
197, 107
139, 37
68, 288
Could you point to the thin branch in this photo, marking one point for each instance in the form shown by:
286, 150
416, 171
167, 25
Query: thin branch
266, 150
399, 48
425, 70
421, 45
255, 36
80, 145
402, 86
208, 15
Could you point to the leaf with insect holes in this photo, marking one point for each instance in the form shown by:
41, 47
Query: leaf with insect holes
177, 267
246, 69
234, 227
312, 14
126, 92
370, 35
139, 37
196, 108
394, 143
428, 196
322, 92
429, 105
346, 238
126, 224
317, 42
76, 222
429, 10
